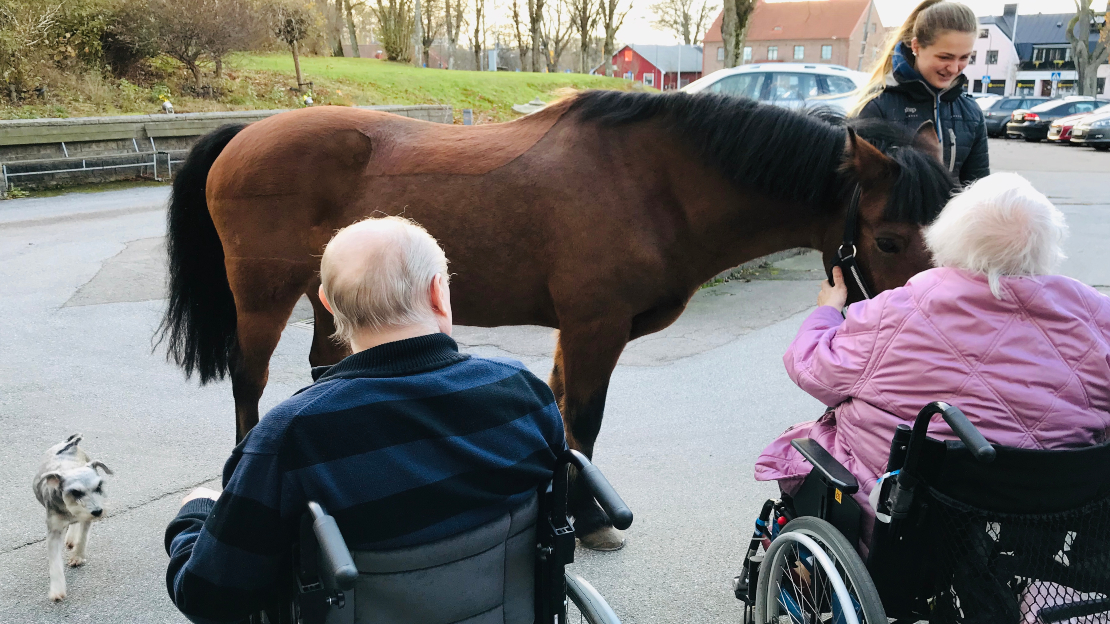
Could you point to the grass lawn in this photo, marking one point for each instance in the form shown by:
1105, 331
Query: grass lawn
262, 81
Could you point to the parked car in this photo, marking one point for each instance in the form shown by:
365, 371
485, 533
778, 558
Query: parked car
1093, 130
998, 112
791, 85
1060, 130
1032, 125
984, 100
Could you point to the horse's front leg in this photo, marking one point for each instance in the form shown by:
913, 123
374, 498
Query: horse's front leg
585, 357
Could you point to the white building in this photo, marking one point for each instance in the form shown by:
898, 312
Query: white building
993, 67
1046, 64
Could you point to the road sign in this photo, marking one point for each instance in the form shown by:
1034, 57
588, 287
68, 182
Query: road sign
1055, 75
986, 79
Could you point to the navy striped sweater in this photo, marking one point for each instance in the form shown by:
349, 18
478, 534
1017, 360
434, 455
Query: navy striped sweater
403, 444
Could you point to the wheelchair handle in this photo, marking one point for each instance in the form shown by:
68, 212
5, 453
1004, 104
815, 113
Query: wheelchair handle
968, 434
601, 489
339, 567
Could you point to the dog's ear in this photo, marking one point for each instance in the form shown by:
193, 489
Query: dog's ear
52, 480
99, 464
71, 442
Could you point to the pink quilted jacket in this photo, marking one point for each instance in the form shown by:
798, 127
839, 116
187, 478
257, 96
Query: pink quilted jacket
1031, 370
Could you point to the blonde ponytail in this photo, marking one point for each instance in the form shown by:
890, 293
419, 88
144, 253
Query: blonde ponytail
927, 22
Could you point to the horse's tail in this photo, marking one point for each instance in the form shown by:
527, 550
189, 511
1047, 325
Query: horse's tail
200, 323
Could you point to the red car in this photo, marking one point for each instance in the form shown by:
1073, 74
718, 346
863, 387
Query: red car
1060, 130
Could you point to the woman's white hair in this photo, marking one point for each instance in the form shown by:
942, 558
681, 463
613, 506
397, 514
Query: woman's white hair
385, 285
1000, 225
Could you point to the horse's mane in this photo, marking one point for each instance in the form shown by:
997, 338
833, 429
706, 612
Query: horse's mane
797, 156
923, 185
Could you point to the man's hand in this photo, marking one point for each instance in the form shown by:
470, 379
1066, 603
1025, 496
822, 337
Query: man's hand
835, 295
200, 492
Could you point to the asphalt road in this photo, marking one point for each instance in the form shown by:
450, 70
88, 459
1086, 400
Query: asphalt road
81, 281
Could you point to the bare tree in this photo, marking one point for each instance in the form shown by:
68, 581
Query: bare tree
183, 27
535, 22
1087, 59
292, 22
431, 22
24, 27
584, 15
734, 28
477, 36
454, 18
396, 26
557, 28
612, 18
231, 27
523, 44
352, 31
687, 19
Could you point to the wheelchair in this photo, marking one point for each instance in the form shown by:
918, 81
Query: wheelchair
510, 570
964, 532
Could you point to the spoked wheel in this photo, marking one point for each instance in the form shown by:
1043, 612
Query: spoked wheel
812, 575
585, 605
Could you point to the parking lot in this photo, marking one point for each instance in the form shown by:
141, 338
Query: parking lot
690, 408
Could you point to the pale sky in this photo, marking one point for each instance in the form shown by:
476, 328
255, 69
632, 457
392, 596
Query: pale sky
637, 26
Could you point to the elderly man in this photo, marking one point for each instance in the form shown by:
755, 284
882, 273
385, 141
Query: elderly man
404, 442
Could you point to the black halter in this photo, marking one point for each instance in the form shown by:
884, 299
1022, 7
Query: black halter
847, 263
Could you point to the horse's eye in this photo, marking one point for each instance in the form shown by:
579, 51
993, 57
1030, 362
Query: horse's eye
887, 245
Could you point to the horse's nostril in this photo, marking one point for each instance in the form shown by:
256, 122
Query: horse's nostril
97, 512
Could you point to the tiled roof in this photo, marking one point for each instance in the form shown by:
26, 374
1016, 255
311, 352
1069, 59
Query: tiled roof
823, 19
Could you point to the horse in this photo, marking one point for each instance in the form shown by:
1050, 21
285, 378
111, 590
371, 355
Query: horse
599, 216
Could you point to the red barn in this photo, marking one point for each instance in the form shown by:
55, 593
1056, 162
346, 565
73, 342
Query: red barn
657, 66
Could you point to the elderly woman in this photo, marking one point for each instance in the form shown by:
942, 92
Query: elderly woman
1024, 353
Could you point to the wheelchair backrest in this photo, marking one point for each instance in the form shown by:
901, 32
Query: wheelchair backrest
1000, 542
483, 576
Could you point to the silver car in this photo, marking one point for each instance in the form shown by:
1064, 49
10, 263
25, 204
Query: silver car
790, 85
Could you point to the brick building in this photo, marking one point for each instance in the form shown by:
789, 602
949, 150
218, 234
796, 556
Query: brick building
824, 31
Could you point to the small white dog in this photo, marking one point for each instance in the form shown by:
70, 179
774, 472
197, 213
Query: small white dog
70, 488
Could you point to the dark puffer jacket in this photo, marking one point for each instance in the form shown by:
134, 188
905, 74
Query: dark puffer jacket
961, 127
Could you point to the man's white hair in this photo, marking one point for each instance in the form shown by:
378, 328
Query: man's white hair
388, 286
1000, 225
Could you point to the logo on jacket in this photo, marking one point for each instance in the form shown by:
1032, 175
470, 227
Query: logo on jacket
910, 109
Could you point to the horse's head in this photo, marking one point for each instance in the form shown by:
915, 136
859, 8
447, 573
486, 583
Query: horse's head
902, 186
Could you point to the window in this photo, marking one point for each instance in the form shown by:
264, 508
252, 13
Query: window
628, 55
747, 55
1010, 105
772, 53
992, 57
628, 75
721, 53
1050, 55
799, 53
984, 33
971, 59
1084, 107
836, 85
826, 52
873, 25
649, 80
741, 85
793, 87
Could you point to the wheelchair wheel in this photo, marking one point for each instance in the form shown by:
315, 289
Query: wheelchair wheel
585, 605
812, 574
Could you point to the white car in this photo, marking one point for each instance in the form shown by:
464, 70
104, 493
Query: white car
791, 85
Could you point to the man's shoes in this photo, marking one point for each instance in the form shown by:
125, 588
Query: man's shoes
605, 538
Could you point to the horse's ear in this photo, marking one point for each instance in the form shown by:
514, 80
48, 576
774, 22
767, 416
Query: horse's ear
866, 163
925, 140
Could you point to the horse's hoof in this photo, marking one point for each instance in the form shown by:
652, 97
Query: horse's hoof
605, 538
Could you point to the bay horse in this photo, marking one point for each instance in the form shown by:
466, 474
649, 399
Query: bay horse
600, 216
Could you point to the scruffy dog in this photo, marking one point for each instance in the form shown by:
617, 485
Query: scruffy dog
71, 489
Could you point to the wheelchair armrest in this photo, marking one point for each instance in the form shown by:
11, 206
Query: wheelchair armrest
833, 472
601, 489
338, 568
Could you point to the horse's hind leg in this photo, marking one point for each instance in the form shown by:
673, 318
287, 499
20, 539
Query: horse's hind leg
325, 351
265, 293
584, 361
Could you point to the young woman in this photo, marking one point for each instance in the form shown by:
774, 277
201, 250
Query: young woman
920, 79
